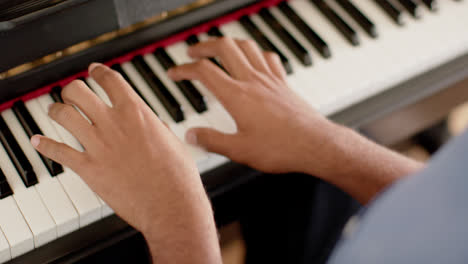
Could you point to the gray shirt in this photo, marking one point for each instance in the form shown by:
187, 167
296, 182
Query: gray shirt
421, 219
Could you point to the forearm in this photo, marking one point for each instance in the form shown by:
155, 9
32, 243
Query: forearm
185, 235
358, 166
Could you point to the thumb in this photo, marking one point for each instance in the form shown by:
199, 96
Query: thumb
211, 140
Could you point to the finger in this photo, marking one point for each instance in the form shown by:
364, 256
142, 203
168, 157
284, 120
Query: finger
69, 118
212, 140
254, 54
274, 62
79, 94
58, 152
118, 90
228, 52
210, 75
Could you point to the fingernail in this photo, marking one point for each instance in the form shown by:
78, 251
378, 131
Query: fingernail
93, 66
49, 107
191, 137
35, 140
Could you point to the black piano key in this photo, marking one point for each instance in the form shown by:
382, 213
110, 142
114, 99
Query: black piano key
190, 92
359, 17
337, 21
264, 42
56, 94
118, 68
391, 10
5, 189
411, 6
192, 40
17, 156
296, 48
215, 32
31, 129
167, 99
319, 44
431, 4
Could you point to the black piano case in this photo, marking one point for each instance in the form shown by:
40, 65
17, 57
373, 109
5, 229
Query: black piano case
61, 24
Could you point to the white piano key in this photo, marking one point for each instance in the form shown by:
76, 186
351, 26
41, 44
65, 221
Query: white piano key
67, 137
100, 92
216, 116
152, 99
300, 72
291, 28
235, 30
5, 254
30, 203
146, 92
315, 20
83, 199
177, 128
178, 53
59, 205
15, 228
192, 118
399, 52
220, 119
190, 114
54, 197
106, 209
362, 35
37, 216
203, 37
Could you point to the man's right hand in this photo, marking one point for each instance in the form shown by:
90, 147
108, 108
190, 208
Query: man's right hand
275, 125
278, 131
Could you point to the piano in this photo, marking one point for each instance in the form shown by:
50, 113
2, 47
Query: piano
366, 64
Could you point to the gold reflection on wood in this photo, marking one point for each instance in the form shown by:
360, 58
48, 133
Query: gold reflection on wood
101, 39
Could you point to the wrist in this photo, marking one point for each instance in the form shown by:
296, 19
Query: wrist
355, 164
184, 231
324, 150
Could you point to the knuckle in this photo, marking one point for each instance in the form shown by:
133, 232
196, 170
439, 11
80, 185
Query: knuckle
107, 76
203, 64
271, 55
253, 75
53, 110
59, 112
63, 113
249, 43
131, 109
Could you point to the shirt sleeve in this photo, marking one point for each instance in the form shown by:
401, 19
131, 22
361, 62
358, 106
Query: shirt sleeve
421, 219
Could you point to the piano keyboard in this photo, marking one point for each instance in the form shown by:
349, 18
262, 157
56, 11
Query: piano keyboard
336, 53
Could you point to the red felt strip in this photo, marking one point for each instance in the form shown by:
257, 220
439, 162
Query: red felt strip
181, 36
